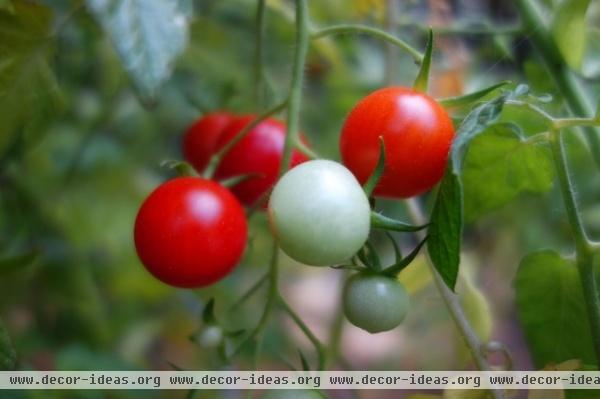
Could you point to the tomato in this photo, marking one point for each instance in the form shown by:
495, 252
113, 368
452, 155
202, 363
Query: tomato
292, 394
201, 138
190, 232
259, 152
417, 133
374, 303
319, 213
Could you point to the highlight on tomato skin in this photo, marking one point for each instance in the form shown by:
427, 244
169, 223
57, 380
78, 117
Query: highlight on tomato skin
258, 153
190, 232
417, 133
201, 137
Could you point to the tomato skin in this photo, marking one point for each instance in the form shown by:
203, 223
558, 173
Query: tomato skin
190, 232
201, 137
319, 213
259, 152
374, 303
417, 133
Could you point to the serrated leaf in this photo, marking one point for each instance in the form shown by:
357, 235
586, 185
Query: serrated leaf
28, 90
569, 30
148, 36
551, 309
501, 165
8, 357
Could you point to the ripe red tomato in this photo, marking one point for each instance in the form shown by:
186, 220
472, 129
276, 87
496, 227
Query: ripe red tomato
259, 152
201, 137
190, 232
417, 133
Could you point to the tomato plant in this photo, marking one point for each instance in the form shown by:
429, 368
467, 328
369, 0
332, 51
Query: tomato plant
190, 232
375, 303
319, 213
200, 139
417, 133
258, 154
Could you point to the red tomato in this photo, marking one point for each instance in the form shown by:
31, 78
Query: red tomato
201, 137
190, 232
259, 152
417, 133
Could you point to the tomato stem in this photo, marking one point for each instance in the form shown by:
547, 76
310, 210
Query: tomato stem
574, 95
320, 349
258, 54
293, 111
357, 28
584, 247
452, 302
216, 159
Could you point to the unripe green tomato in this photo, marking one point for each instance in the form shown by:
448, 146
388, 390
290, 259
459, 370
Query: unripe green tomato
292, 394
319, 213
375, 303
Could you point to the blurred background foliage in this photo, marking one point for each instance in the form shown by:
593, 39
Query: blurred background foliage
84, 129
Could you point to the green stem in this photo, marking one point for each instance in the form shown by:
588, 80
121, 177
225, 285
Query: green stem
566, 185
584, 248
391, 51
272, 296
556, 66
215, 160
251, 291
306, 150
258, 54
320, 349
293, 115
452, 302
351, 28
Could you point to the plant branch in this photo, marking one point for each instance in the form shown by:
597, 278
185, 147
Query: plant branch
584, 248
452, 302
355, 28
258, 54
216, 159
293, 113
320, 349
574, 95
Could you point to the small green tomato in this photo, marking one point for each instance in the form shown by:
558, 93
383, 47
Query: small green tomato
375, 303
319, 213
292, 394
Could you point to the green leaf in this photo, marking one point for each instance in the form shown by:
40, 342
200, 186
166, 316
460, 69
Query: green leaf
379, 221
28, 90
378, 172
445, 232
400, 264
422, 80
148, 36
569, 30
470, 98
501, 164
8, 357
17, 262
208, 314
551, 309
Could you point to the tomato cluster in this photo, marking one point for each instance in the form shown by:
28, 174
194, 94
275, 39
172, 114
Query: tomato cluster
192, 231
